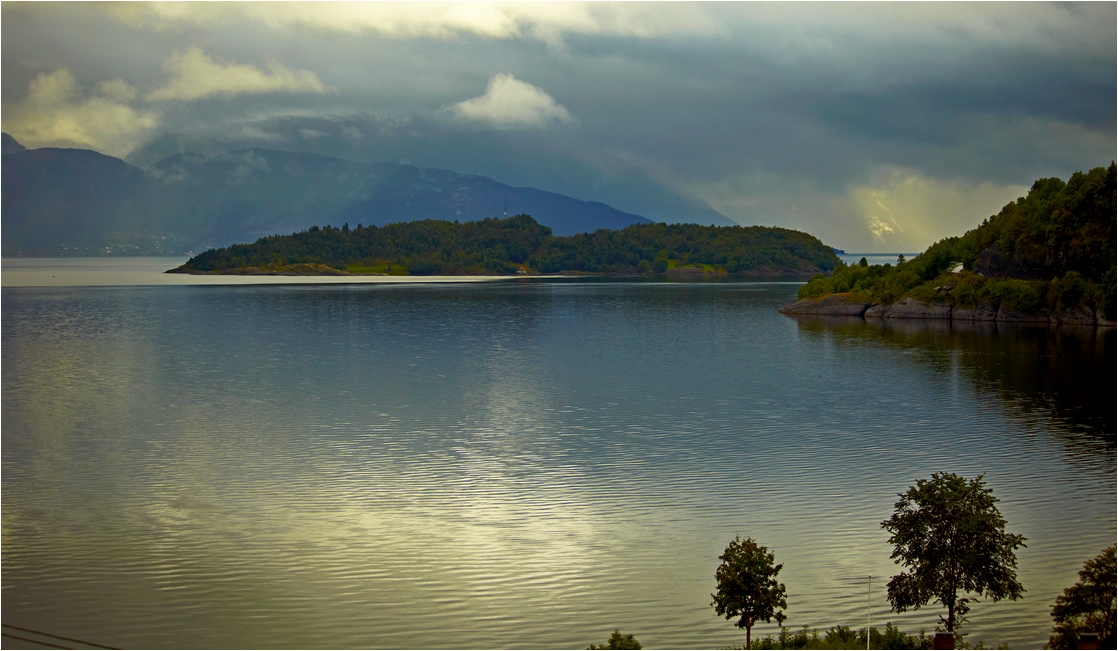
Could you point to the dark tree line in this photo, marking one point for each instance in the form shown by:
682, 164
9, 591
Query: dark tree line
503, 246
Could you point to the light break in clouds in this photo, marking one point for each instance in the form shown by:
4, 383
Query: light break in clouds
509, 103
194, 75
57, 110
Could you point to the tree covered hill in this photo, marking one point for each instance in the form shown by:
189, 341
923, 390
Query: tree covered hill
1053, 249
506, 246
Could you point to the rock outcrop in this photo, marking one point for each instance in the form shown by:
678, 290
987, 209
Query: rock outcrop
911, 308
831, 305
1010, 315
980, 312
1074, 316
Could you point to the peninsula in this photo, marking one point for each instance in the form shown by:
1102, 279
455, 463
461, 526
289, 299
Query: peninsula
520, 245
1048, 257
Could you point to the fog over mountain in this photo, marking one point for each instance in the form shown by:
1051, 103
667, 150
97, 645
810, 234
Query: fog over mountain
76, 201
876, 127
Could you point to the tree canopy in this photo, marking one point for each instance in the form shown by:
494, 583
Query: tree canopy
1089, 605
619, 640
747, 586
949, 535
503, 246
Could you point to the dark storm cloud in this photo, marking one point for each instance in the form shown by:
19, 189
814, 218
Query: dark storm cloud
851, 121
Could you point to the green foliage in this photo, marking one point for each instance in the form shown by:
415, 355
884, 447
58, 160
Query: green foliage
619, 640
843, 637
1089, 605
747, 585
1051, 250
948, 533
500, 246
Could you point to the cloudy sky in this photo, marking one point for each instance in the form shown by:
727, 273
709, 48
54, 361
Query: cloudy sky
877, 127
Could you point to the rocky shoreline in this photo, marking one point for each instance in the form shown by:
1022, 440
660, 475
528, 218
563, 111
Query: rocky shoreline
911, 308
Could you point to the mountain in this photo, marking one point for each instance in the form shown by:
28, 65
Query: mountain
58, 201
9, 145
79, 202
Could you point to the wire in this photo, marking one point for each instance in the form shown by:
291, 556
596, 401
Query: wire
27, 639
57, 637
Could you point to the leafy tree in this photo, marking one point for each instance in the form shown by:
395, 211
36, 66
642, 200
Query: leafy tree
951, 537
619, 640
1089, 605
747, 586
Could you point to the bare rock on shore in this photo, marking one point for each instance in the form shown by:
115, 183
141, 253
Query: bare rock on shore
832, 305
1009, 315
1074, 316
910, 308
980, 312
877, 311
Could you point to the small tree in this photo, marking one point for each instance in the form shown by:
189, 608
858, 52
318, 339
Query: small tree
1089, 605
619, 640
951, 537
747, 586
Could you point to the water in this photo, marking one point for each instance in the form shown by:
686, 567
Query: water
512, 464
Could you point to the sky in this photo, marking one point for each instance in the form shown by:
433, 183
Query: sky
876, 127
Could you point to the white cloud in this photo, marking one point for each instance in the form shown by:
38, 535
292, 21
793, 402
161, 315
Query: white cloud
546, 21
194, 75
509, 103
58, 113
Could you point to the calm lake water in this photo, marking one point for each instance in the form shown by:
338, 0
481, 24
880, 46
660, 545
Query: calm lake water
513, 464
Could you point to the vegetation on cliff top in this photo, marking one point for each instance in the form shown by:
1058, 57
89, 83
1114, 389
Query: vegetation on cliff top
506, 246
1053, 249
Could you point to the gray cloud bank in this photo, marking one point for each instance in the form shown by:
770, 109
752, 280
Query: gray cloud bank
875, 127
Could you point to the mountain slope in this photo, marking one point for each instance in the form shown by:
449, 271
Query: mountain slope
79, 202
67, 199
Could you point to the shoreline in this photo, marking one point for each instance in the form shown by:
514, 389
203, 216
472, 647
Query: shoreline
908, 308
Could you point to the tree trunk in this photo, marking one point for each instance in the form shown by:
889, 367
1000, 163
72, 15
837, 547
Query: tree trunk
747, 628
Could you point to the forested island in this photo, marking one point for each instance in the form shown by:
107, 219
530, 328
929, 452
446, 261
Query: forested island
520, 245
1048, 257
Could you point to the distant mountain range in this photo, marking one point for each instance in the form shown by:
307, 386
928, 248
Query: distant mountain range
80, 202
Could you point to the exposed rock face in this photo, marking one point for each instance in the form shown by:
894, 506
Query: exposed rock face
833, 305
1010, 315
910, 308
1074, 316
877, 311
980, 312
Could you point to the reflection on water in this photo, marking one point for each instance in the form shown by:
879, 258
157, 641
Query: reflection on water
517, 465
1038, 371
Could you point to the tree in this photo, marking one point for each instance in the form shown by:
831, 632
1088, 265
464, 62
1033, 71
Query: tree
747, 586
619, 640
1089, 605
951, 537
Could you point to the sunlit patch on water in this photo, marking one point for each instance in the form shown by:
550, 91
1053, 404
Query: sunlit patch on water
515, 465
